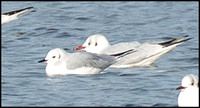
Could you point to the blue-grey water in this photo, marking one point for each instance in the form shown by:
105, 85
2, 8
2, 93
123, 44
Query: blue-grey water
67, 24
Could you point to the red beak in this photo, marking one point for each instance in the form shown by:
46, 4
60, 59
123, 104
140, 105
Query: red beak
79, 48
180, 87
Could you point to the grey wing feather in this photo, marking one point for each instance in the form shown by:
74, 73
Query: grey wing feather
121, 47
85, 59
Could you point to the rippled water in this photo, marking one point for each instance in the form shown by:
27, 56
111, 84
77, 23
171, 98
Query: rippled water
68, 24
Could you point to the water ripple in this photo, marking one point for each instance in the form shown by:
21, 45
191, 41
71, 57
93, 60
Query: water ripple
82, 18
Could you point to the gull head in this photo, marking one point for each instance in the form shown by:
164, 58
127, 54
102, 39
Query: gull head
188, 81
94, 44
53, 55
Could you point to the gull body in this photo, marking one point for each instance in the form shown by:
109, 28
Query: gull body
13, 15
60, 62
145, 53
189, 95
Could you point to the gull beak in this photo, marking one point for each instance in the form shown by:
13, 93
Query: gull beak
79, 48
43, 60
180, 87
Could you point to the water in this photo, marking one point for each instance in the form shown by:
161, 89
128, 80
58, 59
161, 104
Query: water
67, 24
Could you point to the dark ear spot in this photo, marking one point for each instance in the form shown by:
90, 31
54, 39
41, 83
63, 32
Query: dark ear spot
192, 83
59, 56
95, 44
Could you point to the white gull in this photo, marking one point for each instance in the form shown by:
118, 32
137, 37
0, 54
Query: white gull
60, 62
145, 53
189, 95
13, 15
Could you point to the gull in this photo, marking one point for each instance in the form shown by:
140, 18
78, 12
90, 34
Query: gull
13, 15
145, 53
60, 62
189, 95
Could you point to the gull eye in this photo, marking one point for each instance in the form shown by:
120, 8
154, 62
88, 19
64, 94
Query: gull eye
53, 56
89, 43
95, 44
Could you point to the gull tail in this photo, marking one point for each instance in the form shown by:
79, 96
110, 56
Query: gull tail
175, 41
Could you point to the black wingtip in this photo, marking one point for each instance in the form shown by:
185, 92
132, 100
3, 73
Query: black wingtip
16, 11
118, 55
175, 41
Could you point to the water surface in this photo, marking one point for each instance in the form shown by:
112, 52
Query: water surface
68, 24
